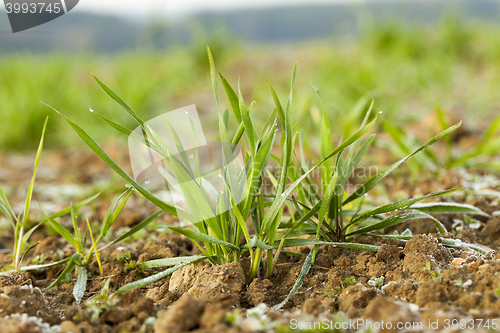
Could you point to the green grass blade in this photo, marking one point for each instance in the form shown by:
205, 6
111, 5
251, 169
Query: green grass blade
192, 234
398, 205
300, 279
156, 277
372, 182
166, 262
32, 183
397, 219
60, 229
31, 247
66, 274
213, 77
448, 208
135, 229
292, 242
8, 209
109, 161
113, 211
233, 99
36, 267
325, 202
118, 100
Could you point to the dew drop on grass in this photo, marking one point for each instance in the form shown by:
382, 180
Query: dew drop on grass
147, 182
90, 109
380, 112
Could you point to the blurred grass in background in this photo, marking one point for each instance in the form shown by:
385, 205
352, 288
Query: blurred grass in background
409, 71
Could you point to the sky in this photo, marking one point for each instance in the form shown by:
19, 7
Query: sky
173, 9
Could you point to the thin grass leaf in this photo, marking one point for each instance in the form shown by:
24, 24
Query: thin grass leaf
233, 99
165, 262
459, 243
135, 229
399, 205
37, 267
118, 170
292, 242
5, 206
372, 182
60, 229
298, 283
113, 211
118, 100
325, 202
448, 208
192, 234
94, 248
32, 183
31, 247
156, 277
213, 77
397, 219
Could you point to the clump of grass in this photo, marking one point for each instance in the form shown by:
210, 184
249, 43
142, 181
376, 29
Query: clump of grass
222, 235
20, 222
84, 256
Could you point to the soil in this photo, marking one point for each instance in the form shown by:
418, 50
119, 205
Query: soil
423, 281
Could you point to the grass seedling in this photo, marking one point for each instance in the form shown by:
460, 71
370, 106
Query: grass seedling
20, 222
84, 256
219, 221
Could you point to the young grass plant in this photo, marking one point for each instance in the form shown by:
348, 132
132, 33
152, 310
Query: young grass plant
84, 256
332, 217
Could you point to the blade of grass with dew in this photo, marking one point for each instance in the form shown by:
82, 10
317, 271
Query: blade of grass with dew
298, 283
448, 208
20, 235
398, 205
166, 262
156, 277
397, 219
109, 161
372, 182
293, 242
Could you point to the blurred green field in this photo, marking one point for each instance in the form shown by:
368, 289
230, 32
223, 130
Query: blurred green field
408, 71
